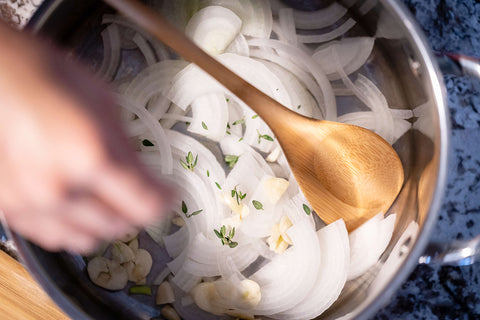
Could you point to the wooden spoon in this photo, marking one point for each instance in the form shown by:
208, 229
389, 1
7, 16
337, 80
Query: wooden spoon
344, 171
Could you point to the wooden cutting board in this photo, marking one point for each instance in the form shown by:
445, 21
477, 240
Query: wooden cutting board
21, 298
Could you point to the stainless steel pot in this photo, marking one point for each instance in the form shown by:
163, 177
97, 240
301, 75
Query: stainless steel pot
405, 71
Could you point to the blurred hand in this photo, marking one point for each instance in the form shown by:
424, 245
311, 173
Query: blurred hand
68, 177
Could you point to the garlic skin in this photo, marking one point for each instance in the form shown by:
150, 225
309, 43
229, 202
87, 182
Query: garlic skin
107, 274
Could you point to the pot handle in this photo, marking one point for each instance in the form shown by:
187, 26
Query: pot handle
458, 64
456, 253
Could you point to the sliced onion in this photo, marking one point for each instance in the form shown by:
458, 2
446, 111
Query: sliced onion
368, 242
213, 28
111, 52
239, 46
286, 24
306, 62
256, 15
335, 33
352, 54
301, 100
175, 242
302, 76
373, 98
334, 265
209, 116
204, 255
366, 119
185, 280
296, 268
145, 49
312, 20
164, 155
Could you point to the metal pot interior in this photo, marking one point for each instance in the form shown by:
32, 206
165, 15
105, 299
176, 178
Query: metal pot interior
401, 67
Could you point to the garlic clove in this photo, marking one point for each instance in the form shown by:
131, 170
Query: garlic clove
129, 236
140, 266
133, 245
169, 313
274, 188
165, 293
107, 274
121, 252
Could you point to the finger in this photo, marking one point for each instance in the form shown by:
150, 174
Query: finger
51, 233
132, 196
93, 217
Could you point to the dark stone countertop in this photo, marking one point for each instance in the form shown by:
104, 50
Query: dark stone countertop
434, 292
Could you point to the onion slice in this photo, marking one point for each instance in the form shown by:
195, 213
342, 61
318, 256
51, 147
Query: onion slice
213, 28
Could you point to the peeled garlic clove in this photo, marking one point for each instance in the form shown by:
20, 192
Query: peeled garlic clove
140, 266
129, 236
107, 274
279, 240
122, 253
178, 221
244, 294
169, 313
250, 295
237, 208
133, 244
274, 188
165, 293
204, 295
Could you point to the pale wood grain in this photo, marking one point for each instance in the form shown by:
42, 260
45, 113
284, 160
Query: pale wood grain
21, 298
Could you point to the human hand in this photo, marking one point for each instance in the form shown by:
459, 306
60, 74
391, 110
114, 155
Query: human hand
68, 177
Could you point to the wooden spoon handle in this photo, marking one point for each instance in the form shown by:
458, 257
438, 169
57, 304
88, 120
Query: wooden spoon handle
21, 298
159, 27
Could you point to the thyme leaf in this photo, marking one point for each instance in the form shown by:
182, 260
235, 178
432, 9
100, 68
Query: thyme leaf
231, 160
307, 209
185, 211
257, 204
240, 121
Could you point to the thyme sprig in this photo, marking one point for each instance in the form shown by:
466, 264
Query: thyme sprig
185, 211
263, 136
190, 163
227, 239
237, 195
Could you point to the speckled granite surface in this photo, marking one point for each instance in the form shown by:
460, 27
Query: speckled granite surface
430, 292
450, 292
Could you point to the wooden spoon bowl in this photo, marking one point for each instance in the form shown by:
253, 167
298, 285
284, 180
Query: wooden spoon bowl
345, 171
